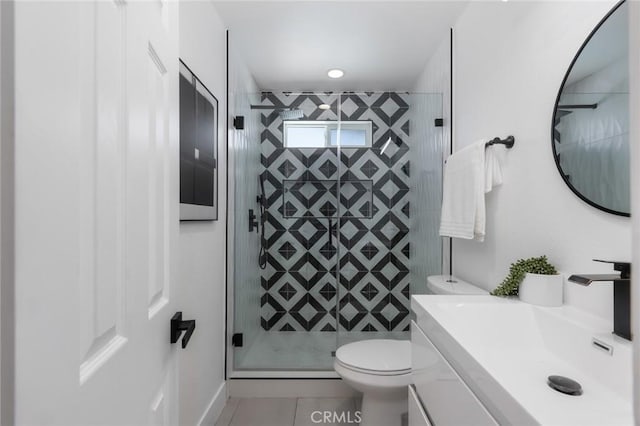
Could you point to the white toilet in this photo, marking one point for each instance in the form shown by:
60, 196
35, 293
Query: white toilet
381, 368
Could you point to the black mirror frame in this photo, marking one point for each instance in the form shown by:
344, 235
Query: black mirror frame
555, 110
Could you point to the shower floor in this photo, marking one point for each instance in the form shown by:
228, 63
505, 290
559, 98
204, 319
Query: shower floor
295, 350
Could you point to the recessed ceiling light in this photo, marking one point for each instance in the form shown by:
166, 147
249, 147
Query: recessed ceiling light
335, 73
324, 106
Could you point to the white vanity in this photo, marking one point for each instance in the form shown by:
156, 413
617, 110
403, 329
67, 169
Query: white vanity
483, 360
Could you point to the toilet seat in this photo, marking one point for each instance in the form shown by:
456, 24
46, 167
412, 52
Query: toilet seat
380, 357
373, 372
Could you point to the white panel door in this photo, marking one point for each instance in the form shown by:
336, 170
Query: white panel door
96, 212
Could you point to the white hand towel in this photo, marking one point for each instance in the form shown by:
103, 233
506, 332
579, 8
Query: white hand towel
492, 169
463, 208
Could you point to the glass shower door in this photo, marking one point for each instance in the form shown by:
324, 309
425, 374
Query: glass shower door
390, 207
289, 322
342, 196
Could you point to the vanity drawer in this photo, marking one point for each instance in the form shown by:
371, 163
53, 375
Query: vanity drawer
417, 416
444, 395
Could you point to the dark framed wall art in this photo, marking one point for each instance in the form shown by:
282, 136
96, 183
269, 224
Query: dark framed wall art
198, 149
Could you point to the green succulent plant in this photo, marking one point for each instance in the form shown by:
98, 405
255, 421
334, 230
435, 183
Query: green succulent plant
534, 265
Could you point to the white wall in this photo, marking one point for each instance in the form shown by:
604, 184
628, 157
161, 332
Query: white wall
7, 323
510, 58
202, 244
2, 249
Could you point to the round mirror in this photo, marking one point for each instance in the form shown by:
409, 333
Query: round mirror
590, 129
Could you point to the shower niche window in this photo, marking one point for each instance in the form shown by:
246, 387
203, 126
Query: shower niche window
324, 134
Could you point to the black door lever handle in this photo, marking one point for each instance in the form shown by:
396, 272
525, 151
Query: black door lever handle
178, 326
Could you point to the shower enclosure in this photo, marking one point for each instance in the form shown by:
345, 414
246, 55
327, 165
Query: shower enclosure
336, 203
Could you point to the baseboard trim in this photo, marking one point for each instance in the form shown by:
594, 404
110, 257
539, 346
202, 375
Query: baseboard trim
289, 388
277, 374
215, 407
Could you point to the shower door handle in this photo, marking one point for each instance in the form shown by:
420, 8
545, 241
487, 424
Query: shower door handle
178, 326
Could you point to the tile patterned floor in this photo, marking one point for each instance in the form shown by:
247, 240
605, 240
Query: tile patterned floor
289, 412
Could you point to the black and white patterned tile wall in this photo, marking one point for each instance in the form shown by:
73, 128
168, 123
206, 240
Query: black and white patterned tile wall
370, 253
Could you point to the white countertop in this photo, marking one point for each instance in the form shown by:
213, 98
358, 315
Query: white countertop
518, 345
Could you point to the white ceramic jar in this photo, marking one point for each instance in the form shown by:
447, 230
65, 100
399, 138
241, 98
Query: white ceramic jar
543, 290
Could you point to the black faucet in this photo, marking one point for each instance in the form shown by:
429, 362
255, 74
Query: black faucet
621, 294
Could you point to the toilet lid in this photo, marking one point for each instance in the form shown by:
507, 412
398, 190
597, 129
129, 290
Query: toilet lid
446, 284
383, 355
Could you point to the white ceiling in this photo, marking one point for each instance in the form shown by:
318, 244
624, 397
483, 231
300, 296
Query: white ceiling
381, 45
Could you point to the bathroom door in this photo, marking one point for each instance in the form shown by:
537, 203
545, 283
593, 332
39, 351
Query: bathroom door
96, 199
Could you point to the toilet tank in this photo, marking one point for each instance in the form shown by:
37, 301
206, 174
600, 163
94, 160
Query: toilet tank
448, 284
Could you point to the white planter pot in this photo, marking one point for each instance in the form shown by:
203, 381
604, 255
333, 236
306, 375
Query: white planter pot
543, 290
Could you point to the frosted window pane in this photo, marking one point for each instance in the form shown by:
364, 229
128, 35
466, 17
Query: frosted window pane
349, 137
305, 137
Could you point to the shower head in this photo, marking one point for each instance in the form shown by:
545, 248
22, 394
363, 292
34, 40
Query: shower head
284, 112
291, 114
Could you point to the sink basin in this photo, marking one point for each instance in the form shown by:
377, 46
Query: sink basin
505, 350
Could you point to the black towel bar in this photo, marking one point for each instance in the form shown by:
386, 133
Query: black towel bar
508, 142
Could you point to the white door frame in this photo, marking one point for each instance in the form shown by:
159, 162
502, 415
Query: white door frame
634, 98
7, 283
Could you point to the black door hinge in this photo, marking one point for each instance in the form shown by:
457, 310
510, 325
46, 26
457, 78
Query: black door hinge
439, 122
236, 340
